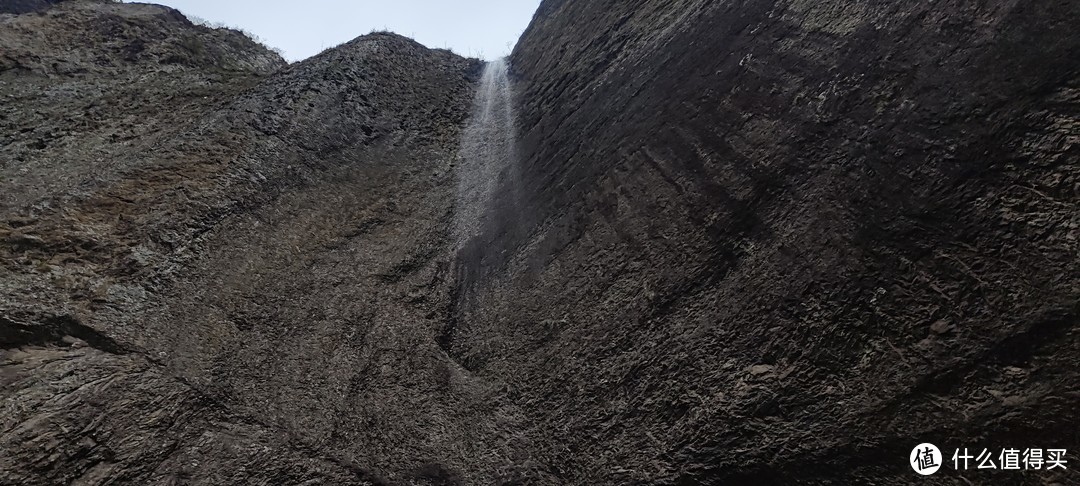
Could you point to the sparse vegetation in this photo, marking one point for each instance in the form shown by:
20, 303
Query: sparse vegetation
223, 26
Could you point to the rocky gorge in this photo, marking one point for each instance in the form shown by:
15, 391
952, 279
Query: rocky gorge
776, 242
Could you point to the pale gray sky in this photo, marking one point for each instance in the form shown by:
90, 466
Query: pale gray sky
480, 28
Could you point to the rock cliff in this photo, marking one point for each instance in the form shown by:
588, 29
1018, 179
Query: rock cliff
741, 241
221, 269
786, 241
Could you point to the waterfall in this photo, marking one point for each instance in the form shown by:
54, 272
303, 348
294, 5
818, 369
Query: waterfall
487, 154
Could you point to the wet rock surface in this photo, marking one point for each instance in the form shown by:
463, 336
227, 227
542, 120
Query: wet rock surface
774, 242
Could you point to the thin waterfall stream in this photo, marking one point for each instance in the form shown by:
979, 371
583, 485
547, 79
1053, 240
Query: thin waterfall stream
487, 154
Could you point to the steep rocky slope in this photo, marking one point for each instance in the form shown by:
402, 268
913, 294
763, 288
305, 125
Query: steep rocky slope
221, 269
786, 241
744, 241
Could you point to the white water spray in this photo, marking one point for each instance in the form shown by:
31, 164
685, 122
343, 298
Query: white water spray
487, 153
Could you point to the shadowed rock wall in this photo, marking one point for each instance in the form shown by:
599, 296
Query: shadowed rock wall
786, 241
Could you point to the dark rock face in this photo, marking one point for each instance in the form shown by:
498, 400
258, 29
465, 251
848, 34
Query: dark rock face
777, 242
787, 241
221, 270
25, 6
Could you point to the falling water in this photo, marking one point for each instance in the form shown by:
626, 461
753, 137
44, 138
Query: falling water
487, 151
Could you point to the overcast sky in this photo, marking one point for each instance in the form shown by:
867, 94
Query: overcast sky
480, 28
